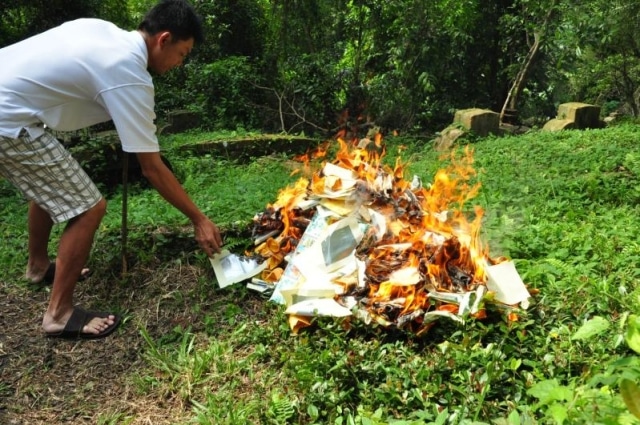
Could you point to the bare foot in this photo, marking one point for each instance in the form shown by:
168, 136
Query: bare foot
78, 323
46, 275
36, 273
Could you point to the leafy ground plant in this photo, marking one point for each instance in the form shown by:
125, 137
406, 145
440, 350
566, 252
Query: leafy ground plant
564, 206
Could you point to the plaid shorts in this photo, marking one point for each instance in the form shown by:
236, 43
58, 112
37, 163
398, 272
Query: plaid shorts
46, 173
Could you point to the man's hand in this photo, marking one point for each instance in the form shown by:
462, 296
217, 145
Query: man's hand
206, 232
208, 236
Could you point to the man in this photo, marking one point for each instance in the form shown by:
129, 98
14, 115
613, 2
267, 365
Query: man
79, 74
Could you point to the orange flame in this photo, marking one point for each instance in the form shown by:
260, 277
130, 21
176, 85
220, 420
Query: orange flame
429, 245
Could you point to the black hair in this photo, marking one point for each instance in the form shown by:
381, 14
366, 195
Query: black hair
176, 16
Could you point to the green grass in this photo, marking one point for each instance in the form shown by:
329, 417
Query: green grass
564, 206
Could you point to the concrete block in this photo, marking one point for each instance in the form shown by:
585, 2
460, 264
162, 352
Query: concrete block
179, 121
447, 138
582, 114
479, 121
558, 124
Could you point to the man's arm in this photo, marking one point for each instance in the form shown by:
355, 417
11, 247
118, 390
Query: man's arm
206, 232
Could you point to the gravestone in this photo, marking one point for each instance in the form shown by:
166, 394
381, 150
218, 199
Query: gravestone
557, 124
180, 121
479, 121
575, 115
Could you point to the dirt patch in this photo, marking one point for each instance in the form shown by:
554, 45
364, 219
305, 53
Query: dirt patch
48, 381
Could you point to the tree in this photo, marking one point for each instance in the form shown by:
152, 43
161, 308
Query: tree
20, 19
606, 37
538, 19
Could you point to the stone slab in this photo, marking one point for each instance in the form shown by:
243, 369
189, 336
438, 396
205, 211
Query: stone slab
583, 115
557, 124
479, 121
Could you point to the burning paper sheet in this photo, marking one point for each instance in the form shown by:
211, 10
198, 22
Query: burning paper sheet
336, 183
292, 276
333, 249
318, 259
318, 307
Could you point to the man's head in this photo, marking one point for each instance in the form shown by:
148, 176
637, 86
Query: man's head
171, 28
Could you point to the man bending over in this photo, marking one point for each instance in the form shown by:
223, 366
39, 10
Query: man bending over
73, 76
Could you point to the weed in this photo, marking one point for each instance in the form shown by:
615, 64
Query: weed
115, 419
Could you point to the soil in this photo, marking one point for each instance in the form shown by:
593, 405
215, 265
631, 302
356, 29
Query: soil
50, 381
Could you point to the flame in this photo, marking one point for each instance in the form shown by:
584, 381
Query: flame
319, 152
430, 244
284, 212
291, 196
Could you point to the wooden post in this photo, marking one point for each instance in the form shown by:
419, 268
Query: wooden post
123, 228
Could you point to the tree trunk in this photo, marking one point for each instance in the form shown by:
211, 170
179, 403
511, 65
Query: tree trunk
511, 102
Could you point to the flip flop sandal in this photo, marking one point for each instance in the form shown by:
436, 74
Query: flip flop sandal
50, 274
79, 318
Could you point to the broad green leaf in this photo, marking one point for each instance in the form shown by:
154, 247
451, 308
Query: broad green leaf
550, 390
591, 328
540, 390
632, 336
312, 411
558, 412
631, 395
561, 393
514, 365
514, 418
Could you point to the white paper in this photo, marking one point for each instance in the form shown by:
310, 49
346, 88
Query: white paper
337, 171
319, 307
334, 176
505, 281
231, 268
432, 316
292, 277
406, 276
331, 251
314, 289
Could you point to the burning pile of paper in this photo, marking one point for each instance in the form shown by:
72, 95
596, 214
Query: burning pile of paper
358, 239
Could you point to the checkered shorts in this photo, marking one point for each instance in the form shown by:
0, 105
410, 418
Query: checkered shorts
46, 173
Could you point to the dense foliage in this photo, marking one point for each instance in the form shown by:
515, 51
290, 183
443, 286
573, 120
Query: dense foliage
294, 66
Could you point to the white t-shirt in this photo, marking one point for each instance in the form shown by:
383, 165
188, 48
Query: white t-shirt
76, 75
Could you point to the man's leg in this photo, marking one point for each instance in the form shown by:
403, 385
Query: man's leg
40, 225
45, 172
73, 252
